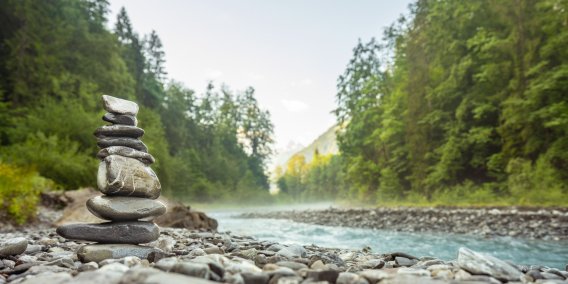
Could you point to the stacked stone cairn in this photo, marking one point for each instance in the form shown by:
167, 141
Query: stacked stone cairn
130, 189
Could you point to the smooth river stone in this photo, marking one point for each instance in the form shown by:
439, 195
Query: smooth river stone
129, 232
13, 246
122, 141
100, 252
145, 158
119, 131
119, 106
123, 208
123, 119
122, 176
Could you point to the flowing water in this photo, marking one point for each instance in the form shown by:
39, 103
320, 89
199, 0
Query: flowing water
444, 246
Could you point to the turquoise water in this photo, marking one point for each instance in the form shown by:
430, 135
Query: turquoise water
444, 246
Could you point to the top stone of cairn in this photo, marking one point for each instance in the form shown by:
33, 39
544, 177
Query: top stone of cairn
120, 106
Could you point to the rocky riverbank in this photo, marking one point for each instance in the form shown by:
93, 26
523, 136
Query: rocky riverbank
190, 256
546, 224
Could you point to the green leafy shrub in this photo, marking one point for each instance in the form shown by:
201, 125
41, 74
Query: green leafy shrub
19, 193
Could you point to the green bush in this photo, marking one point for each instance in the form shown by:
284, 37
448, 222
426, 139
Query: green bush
19, 193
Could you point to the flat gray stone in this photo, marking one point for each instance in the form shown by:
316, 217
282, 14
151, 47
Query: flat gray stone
119, 106
123, 119
126, 152
122, 176
128, 232
122, 141
478, 263
124, 208
13, 246
119, 131
100, 252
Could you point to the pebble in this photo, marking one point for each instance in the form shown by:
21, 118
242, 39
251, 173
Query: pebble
292, 265
119, 106
145, 158
13, 246
124, 208
124, 232
115, 264
123, 119
122, 176
100, 252
350, 278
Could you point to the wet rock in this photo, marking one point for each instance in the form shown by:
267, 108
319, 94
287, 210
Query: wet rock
119, 106
477, 263
121, 176
126, 232
145, 158
13, 246
119, 131
122, 141
124, 208
100, 252
123, 119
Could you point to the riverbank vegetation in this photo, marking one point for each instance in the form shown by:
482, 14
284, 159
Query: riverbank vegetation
56, 60
460, 103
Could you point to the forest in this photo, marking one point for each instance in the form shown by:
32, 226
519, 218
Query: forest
459, 103
56, 60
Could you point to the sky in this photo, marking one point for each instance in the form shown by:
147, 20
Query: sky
291, 52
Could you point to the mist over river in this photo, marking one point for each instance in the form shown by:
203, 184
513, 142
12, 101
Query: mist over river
440, 245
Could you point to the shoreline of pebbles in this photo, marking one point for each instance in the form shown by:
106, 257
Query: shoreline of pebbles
545, 224
200, 257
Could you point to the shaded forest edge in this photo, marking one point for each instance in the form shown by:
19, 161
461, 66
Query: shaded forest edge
56, 60
459, 103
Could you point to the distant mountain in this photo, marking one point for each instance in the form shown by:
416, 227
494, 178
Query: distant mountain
325, 144
284, 154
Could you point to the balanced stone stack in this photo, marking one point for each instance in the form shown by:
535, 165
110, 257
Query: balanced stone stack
130, 189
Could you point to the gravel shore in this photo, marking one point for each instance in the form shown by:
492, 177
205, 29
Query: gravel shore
189, 256
546, 224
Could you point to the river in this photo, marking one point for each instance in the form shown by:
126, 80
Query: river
444, 246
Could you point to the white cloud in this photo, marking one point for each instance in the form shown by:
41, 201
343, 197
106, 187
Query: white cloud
294, 105
214, 74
